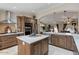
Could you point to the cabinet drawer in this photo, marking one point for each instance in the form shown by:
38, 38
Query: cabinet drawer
8, 44
36, 48
8, 38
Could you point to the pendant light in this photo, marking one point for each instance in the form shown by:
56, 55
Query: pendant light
67, 19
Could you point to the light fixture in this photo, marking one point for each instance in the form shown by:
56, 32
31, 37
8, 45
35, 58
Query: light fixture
67, 19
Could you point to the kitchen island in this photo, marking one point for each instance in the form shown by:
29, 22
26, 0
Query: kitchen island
64, 40
33, 45
9, 39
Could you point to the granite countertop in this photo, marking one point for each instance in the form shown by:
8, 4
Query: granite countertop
31, 39
75, 36
11, 33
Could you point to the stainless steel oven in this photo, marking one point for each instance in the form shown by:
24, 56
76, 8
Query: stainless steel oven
28, 28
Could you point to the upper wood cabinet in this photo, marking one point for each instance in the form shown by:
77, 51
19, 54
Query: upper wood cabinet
20, 23
21, 20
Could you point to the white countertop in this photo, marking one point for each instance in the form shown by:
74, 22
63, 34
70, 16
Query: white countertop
31, 39
49, 33
75, 36
11, 33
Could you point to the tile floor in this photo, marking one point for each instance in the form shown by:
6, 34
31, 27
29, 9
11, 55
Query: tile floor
52, 51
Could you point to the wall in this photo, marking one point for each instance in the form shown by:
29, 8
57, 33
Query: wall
2, 15
3, 26
13, 18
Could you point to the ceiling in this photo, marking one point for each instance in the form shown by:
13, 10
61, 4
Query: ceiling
44, 11
32, 8
57, 15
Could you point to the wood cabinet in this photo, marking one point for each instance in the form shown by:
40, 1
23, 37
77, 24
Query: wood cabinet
36, 48
54, 40
63, 41
21, 20
74, 48
23, 49
20, 23
58, 40
70, 44
8, 41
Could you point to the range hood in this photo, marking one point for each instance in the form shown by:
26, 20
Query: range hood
8, 18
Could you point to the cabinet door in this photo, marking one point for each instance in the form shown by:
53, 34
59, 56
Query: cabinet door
62, 41
23, 48
55, 40
74, 48
45, 46
20, 23
36, 48
69, 42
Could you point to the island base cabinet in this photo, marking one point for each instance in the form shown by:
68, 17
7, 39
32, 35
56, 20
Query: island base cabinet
23, 49
36, 48
45, 47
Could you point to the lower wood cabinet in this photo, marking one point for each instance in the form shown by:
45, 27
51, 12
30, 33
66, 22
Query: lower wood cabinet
54, 40
44, 47
69, 42
64, 41
8, 41
36, 48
